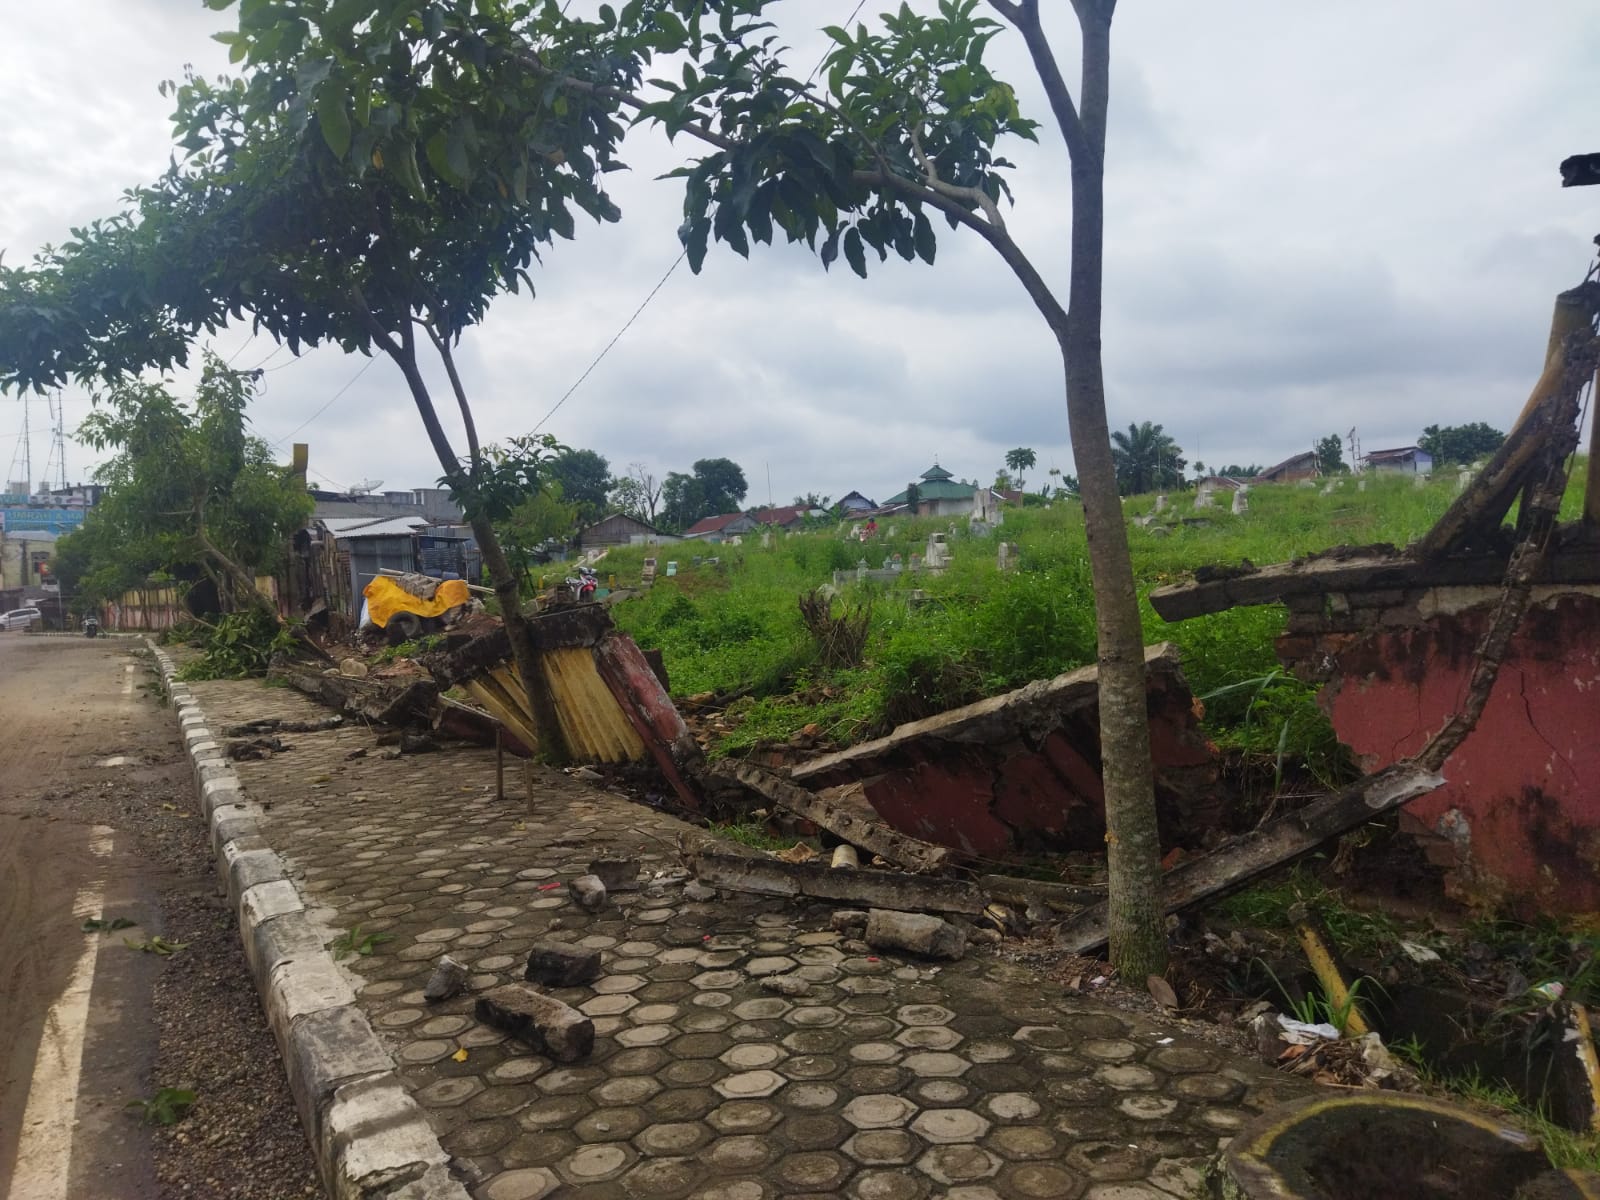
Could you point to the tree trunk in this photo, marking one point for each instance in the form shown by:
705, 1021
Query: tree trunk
1133, 856
552, 744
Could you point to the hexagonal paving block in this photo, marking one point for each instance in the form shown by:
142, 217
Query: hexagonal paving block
1108, 1162
752, 1055
1011, 1106
816, 1016
656, 1014
630, 1089
608, 1006
533, 1183
883, 1146
1147, 1107
570, 1081
1207, 1087
596, 1164
924, 1014
610, 985
958, 1164
538, 1149
929, 1037
670, 1138
816, 1171
1128, 1077
770, 964
878, 1112
1108, 1049
888, 1185
682, 1104
664, 1177
875, 1052
447, 1093
813, 1131
814, 1041
610, 1125
644, 1035
765, 1008
935, 1063
1041, 1181
690, 1072
708, 981
744, 1117
749, 1084
1023, 1142
947, 1126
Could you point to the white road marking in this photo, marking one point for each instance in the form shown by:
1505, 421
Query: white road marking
44, 1149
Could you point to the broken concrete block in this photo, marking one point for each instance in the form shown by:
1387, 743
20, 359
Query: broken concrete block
848, 920
556, 964
844, 855
448, 978
619, 874
786, 985
916, 933
698, 892
549, 1026
354, 668
588, 892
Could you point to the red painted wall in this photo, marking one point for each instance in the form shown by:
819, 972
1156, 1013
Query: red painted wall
1519, 820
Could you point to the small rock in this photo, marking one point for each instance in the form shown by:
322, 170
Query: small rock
847, 920
588, 775
786, 985
544, 1022
854, 946
699, 892
917, 933
619, 874
556, 964
448, 978
354, 668
985, 937
588, 892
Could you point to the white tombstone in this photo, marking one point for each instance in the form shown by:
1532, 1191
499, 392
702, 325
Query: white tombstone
1161, 502
766, 539
1464, 480
890, 533
1202, 496
861, 569
1361, 485
1240, 503
649, 575
1419, 480
672, 568
736, 540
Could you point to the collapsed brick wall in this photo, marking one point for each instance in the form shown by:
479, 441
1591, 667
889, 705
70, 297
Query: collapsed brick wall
1518, 823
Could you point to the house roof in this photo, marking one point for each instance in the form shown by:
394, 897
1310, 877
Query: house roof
715, 524
1287, 464
867, 500
945, 488
1227, 481
937, 472
1398, 452
639, 521
346, 528
788, 514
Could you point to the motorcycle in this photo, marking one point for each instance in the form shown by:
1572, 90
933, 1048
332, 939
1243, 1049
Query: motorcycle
91, 627
584, 584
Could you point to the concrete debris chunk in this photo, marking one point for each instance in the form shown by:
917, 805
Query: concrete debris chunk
698, 892
618, 873
786, 985
354, 668
448, 978
545, 1023
557, 964
915, 933
848, 920
588, 892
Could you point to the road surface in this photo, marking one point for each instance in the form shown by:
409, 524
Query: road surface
98, 820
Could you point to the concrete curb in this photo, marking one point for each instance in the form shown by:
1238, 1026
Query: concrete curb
370, 1138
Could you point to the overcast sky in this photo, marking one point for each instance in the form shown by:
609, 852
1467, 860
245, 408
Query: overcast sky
1318, 218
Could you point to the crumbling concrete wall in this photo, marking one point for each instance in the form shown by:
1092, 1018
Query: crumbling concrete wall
1518, 823
1021, 771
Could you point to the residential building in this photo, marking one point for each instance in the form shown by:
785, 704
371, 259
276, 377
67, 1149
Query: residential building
939, 494
1405, 460
853, 503
621, 529
1302, 466
719, 528
789, 516
1205, 489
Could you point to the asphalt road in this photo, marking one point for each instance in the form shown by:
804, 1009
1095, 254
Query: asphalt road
98, 819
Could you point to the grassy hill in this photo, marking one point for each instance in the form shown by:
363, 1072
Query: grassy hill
734, 628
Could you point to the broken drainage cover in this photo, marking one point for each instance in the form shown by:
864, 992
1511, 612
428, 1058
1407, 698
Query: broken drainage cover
1378, 1146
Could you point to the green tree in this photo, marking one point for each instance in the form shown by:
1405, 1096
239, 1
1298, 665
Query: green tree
585, 480
537, 520
1146, 459
683, 501
1003, 481
1330, 455
188, 490
913, 497
1019, 460
1460, 443
722, 485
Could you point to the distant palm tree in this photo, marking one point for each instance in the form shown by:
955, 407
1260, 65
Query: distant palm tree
1146, 459
1019, 460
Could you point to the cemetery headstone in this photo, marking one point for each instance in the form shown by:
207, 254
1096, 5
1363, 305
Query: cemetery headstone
1240, 503
672, 568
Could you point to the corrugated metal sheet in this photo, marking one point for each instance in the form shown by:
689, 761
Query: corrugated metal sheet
592, 722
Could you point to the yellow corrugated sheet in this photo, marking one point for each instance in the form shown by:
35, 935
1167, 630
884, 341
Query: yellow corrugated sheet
594, 726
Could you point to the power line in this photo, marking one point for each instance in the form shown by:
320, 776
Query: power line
612, 342
328, 405
853, 13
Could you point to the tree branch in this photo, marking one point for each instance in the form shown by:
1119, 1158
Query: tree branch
930, 174
1024, 16
442, 345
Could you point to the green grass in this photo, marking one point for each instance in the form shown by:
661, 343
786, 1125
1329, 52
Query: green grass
733, 627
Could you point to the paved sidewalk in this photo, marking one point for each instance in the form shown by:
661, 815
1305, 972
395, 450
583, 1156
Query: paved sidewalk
888, 1080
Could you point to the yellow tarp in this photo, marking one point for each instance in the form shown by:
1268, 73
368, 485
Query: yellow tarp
385, 597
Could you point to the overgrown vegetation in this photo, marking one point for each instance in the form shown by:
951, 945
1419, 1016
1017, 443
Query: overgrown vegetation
733, 627
236, 646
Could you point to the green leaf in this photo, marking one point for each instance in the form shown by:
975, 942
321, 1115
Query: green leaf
854, 253
333, 118
927, 245
830, 249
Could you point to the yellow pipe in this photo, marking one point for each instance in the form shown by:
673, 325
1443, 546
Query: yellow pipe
1327, 971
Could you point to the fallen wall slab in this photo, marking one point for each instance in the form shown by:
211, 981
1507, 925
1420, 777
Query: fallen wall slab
1021, 771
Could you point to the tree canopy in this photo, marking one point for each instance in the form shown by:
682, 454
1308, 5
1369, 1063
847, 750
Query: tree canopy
1330, 455
1147, 459
1460, 443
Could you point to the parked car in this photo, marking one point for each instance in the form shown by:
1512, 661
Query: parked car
21, 618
